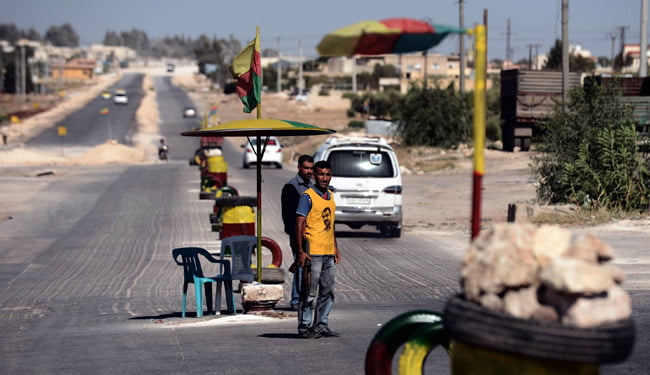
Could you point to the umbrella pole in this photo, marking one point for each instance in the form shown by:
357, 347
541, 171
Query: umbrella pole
259, 207
259, 192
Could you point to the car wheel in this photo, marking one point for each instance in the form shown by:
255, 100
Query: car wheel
390, 230
246, 166
278, 165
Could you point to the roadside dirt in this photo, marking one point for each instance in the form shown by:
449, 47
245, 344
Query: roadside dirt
437, 183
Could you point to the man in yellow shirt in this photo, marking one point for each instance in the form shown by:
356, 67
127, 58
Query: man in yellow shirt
317, 253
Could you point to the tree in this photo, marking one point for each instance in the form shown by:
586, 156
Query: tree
136, 40
576, 62
62, 36
433, 116
589, 155
10, 33
554, 56
111, 38
604, 61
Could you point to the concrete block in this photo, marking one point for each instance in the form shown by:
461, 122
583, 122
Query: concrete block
261, 293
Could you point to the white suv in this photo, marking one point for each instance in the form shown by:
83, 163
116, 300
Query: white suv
367, 183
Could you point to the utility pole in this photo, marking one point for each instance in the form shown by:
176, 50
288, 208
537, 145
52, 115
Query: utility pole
537, 55
622, 32
530, 57
461, 45
279, 83
508, 49
301, 83
565, 51
612, 36
643, 48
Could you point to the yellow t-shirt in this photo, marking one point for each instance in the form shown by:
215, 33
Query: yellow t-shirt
319, 224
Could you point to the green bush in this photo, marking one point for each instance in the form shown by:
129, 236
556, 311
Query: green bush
350, 112
324, 92
432, 116
589, 155
356, 124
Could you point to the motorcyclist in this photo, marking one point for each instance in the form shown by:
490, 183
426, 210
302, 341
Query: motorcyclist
163, 149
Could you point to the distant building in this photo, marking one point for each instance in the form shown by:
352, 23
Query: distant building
75, 69
633, 51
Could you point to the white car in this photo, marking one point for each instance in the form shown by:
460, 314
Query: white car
272, 154
189, 112
367, 183
120, 97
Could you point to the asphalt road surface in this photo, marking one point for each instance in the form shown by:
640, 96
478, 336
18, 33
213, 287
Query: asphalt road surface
88, 285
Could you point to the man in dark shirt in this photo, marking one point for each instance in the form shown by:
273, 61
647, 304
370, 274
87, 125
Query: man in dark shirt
291, 193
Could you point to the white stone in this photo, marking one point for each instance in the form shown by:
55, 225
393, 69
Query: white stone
595, 311
550, 242
570, 275
262, 293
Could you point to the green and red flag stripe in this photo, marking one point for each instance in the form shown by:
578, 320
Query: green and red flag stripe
246, 68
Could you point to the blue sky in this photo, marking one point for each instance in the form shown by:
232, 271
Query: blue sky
533, 22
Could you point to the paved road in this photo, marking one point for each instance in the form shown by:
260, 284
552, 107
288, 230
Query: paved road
88, 283
88, 127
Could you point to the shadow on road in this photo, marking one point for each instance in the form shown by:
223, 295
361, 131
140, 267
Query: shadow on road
281, 336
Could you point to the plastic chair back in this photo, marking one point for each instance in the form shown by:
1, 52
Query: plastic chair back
240, 248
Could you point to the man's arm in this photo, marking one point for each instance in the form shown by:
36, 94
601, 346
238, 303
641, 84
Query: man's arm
288, 202
337, 255
300, 238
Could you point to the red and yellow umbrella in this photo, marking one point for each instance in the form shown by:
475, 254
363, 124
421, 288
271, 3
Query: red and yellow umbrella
391, 35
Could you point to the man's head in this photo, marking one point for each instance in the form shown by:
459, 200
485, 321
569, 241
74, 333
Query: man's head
305, 167
322, 174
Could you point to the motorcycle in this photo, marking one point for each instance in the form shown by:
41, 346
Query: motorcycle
162, 152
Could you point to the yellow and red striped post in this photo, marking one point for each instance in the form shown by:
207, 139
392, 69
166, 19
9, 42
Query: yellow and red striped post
479, 124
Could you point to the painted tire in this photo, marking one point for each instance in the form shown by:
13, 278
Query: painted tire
276, 252
471, 323
394, 334
236, 201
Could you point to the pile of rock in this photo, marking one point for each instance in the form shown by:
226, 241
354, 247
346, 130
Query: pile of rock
545, 274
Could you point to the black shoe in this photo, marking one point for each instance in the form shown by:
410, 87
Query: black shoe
308, 333
326, 332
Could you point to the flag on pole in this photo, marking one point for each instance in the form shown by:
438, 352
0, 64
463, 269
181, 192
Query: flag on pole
104, 111
246, 68
213, 110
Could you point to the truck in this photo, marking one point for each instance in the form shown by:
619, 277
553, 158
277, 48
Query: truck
527, 97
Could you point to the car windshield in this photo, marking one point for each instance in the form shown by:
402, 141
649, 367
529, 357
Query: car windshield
361, 163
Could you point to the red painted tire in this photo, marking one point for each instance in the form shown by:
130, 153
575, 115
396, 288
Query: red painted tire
276, 252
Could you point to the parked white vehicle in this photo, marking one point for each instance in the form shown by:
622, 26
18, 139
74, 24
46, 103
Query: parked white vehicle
367, 183
272, 154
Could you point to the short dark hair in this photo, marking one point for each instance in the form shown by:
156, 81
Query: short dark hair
322, 164
305, 158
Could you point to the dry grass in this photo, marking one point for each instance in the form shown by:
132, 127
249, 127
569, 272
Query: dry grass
581, 217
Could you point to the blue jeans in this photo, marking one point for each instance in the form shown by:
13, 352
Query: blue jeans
321, 291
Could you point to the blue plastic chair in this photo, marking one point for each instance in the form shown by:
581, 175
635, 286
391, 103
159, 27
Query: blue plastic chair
193, 273
240, 249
